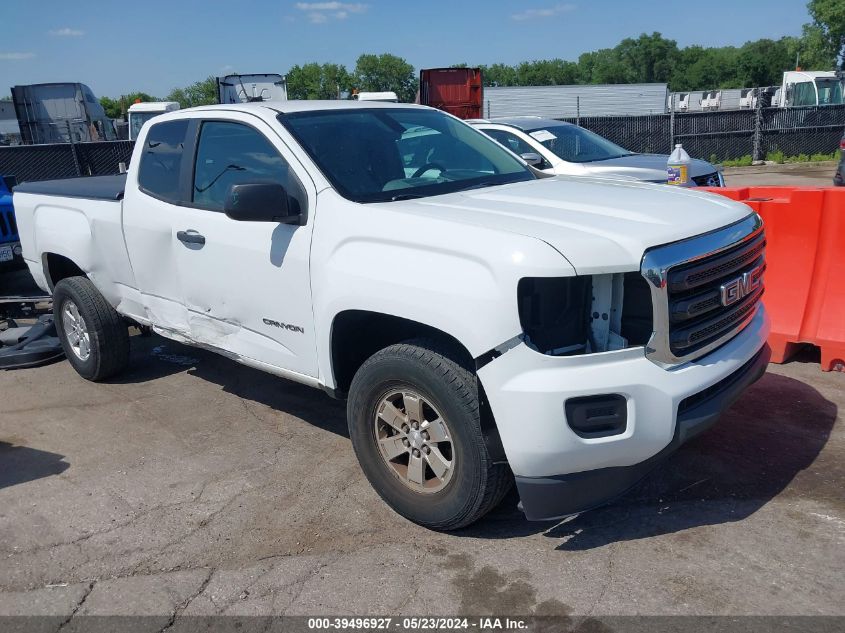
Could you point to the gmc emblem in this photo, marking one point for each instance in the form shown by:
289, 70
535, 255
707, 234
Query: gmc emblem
736, 289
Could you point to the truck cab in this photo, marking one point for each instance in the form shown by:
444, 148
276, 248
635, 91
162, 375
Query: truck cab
810, 88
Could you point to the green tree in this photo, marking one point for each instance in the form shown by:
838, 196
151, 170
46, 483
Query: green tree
116, 108
605, 67
647, 59
303, 82
200, 93
762, 62
499, 75
335, 80
701, 68
386, 72
812, 50
315, 81
547, 72
829, 18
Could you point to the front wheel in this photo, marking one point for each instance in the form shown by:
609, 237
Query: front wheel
94, 337
414, 420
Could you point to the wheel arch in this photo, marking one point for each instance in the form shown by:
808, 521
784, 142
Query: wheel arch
370, 332
355, 335
57, 267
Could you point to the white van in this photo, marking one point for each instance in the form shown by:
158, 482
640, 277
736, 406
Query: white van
140, 113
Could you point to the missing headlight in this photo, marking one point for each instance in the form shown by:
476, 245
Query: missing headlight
565, 316
553, 311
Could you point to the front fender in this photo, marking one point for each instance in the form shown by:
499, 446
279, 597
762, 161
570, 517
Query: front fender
456, 278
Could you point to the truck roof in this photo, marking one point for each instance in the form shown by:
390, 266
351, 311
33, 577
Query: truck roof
303, 106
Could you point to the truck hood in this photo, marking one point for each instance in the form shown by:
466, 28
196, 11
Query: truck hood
647, 167
600, 225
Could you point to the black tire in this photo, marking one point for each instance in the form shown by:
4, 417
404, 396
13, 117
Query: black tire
107, 331
434, 372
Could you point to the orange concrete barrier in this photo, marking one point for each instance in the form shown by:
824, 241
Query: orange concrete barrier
805, 267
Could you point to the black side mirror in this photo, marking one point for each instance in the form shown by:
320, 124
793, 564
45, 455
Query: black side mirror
261, 202
532, 158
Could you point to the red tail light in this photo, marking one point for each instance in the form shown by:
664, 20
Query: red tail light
842, 144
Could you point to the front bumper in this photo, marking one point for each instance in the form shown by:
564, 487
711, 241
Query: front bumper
544, 498
559, 473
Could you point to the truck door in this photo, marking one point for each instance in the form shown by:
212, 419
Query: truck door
149, 213
246, 285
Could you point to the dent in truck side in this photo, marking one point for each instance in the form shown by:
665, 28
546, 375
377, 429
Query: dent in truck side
227, 291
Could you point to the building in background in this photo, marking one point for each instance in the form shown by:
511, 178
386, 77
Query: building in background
556, 102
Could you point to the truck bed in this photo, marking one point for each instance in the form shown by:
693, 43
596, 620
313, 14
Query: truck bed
90, 187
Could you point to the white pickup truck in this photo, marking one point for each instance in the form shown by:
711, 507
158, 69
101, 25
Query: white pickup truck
484, 321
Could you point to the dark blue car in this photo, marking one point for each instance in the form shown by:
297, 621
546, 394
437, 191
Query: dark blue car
10, 243
839, 177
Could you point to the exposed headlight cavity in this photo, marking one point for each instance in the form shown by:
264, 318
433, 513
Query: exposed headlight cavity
565, 316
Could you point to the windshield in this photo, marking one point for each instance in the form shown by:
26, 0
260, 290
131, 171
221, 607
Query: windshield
384, 154
576, 145
830, 91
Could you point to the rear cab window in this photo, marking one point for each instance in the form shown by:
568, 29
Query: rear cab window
159, 173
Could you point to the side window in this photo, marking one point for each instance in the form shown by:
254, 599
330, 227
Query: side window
158, 173
233, 153
515, 144
511, 141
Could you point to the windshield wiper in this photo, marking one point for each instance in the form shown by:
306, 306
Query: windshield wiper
406, 196
481, 185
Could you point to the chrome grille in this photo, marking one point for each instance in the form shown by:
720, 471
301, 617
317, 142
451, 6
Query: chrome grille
704, 290
708, 180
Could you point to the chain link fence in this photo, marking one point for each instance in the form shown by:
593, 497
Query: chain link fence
713, 136
63, 160
728, 134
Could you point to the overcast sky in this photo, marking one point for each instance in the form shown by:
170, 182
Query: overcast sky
155, 45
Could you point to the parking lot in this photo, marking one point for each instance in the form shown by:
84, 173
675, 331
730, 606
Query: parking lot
194, 485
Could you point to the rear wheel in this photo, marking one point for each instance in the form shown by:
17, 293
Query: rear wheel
415, 425
94, 337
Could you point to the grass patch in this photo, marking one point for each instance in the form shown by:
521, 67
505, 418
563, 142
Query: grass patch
743, 161
776, 157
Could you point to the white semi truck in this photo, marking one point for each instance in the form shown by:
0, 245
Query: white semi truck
810, 88
485, 322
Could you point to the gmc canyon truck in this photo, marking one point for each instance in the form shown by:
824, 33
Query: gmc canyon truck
485, 322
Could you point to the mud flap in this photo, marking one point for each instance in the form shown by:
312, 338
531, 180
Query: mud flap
31, 346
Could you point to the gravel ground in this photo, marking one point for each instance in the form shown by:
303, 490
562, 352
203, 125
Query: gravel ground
198, 485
